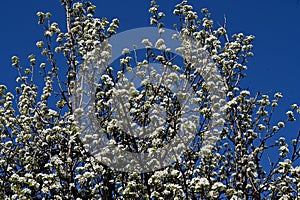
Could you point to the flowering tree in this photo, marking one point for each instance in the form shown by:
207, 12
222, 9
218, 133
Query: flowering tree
47, 149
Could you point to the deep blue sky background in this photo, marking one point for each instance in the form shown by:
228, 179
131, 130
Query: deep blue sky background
275, 24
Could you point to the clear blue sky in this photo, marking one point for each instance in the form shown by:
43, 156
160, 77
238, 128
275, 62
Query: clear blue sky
275, 24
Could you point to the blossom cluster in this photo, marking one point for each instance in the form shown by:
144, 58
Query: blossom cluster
45, 152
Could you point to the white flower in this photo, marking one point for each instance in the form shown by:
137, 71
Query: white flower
52, 112
28, 175
8, 143
174, 172
281, 124
153, 9
45, 189
40, 44
294, 106
275, 128
160, 58
147, 43
161, 14
26, 190
160, 44
161, 31
203, 181
284, 149
234, 197
245, 93
42, 65
153, 21
218, 185
48, 33
125, 51
284, 197
278, 95
261, 127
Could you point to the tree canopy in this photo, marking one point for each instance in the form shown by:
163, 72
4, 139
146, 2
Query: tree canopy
207, 137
